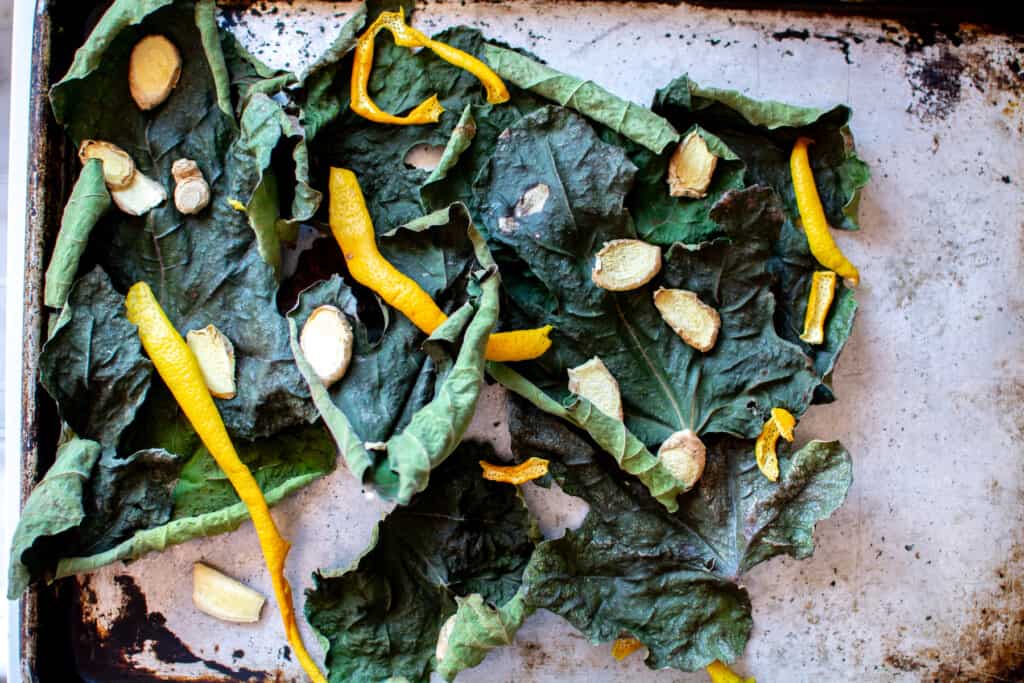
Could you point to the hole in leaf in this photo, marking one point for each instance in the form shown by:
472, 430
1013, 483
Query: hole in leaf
424, 157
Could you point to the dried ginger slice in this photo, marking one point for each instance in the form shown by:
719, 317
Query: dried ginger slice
216, 357
594, 382
683, 454
141, 195
153, 71
691, 167
118, 166
626, 264
326, 342
223, 597
694, 321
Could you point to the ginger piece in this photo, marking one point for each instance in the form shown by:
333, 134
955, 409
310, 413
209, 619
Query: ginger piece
216, 356
626, 264
191, 191
594, 382
691, 167
118, 166
153, 70
223, 597
140, 196
683, 454
326, 342
694, 321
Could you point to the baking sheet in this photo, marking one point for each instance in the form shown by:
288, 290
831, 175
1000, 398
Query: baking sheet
919, 576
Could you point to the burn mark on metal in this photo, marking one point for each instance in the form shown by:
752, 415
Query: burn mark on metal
106, 649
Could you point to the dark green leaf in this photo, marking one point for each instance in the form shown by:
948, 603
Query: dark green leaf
470, 147
93, 365
762, 134
671, 580
205, 269
299, 453
418, 401
666, 385
463, 535
126, 495
160, 423
663, 219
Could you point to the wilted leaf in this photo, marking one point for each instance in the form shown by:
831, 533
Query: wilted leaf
462, 536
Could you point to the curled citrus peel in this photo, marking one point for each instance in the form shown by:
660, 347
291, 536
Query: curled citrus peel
624, 647
531, 469
180, 372
781, 423
430, 109
353, 230
720, 673
819, 300
812, 215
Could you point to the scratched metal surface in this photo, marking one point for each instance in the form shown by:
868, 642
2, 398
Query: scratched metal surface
921, 575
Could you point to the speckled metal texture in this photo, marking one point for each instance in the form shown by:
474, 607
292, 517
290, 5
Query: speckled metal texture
919, 577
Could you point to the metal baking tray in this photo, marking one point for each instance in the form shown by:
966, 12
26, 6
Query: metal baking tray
918, 577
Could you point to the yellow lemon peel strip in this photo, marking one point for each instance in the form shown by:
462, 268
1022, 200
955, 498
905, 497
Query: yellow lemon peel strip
812, 215
781, 423
720, 673
515, 345
819, 300
430, 110
534, 468
624, 647
178, 368
353, 230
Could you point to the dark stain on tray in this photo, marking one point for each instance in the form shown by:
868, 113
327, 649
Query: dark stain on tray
106, 649
936, 84
842, 39
987, 647
941, 59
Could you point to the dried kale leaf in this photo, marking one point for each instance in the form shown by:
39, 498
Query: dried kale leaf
672, 580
